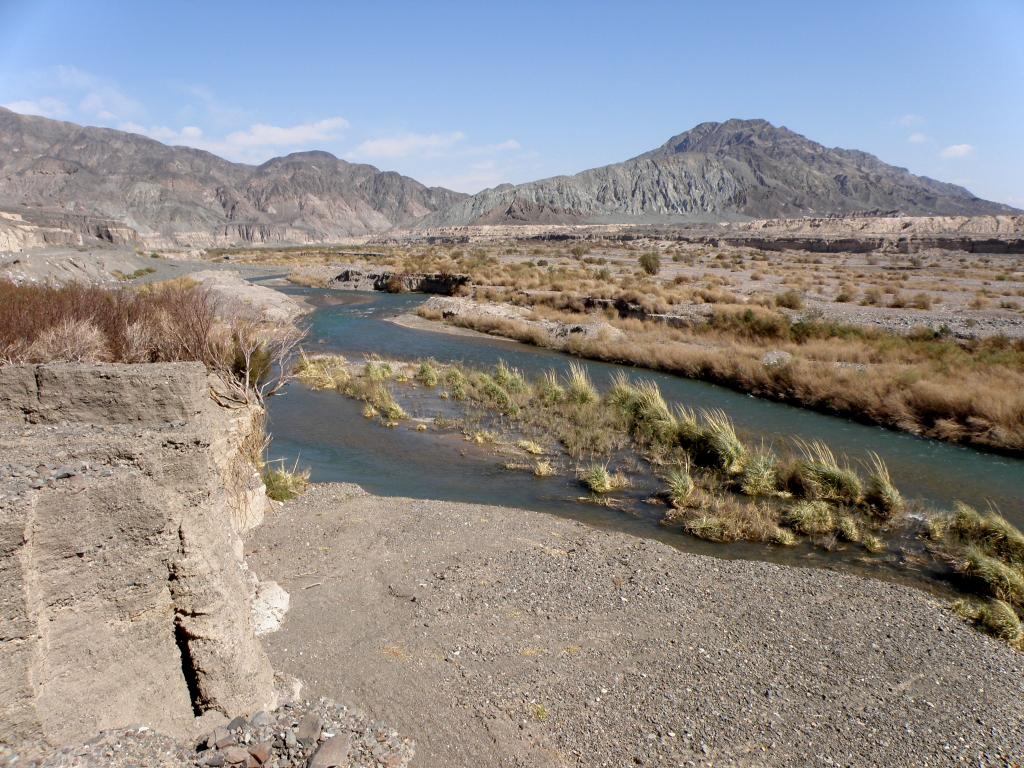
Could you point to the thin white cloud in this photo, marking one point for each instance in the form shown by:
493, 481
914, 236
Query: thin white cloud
98, 97
478, 176
909, 120
252, 145
262, 135
406, 145
957, 150
43, 107
918, 138
70, 92
509, 145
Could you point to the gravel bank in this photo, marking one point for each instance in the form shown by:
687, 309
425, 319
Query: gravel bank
499, 637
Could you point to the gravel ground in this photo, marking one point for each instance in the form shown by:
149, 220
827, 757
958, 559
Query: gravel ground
500, 637
309, 734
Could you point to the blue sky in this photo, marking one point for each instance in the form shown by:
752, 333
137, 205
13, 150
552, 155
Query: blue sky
470, 94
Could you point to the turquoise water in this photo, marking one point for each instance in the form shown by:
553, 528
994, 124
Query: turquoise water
332, 438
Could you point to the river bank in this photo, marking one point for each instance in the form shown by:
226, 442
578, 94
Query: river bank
534, 640
922, 385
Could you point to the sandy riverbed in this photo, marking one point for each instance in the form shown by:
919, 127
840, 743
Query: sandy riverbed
500, 637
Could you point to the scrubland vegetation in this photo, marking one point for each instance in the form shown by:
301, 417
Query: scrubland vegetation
962, 391
176, 321
720, 314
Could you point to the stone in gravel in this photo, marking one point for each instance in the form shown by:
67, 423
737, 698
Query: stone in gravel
261, 719
219, 739
261, 751
236, 756
333, 753
308, 732
776, 357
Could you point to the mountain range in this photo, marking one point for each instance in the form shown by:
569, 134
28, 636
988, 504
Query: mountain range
737, 169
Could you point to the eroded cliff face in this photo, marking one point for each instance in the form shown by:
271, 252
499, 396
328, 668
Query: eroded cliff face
124, 597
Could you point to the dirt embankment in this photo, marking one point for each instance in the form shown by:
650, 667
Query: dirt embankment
502, 637
124, 491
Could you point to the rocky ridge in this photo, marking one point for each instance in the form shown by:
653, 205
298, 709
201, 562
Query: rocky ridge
736, 169
120, 186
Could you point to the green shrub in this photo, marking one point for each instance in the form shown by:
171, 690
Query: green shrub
599, 480
650, 262
427, 374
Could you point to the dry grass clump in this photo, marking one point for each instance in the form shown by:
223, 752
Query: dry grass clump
760, 476
322, 371
720, 443
371, 386
549, 389
168, 322
819, 476
810, 517
987, 553
729, 520
599, 480
681, 487
543, 468
174, 321
880, 493
646, 415
285, 484
427, 374
530, 447
994, 617
579, 388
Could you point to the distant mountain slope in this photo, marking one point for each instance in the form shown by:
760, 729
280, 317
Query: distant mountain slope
745, 168
191, 196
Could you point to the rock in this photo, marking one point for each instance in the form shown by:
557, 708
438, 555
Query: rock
236, 756
308, 732
333, 753
269, 607
776, 357
219, 739
261, 751
437, 282
261, 719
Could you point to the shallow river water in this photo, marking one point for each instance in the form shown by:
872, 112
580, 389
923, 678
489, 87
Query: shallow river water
329, 436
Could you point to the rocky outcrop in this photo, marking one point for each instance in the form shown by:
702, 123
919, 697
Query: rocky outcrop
124, 596
237, 297
515, 322
736, 169
395, 282
864, 234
